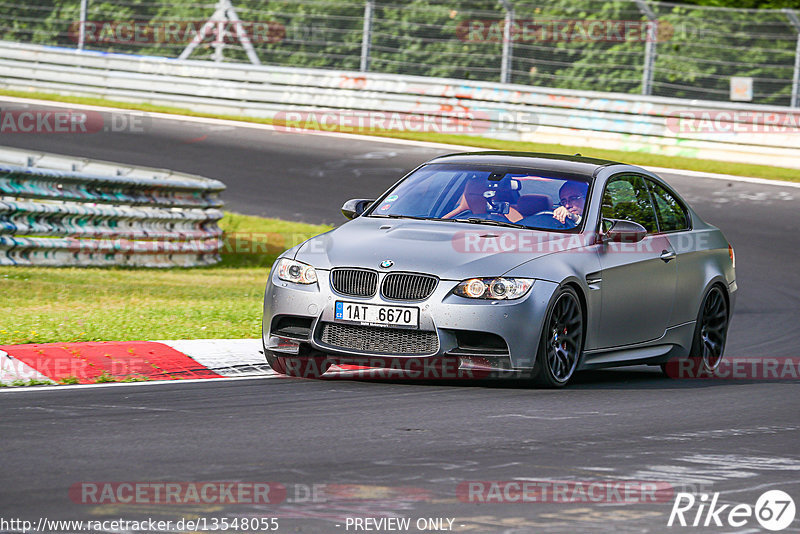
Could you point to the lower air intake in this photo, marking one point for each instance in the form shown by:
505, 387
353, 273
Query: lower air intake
377, 340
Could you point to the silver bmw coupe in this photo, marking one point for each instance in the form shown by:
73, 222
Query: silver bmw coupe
506, 264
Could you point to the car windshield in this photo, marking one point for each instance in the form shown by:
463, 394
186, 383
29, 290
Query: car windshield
488, 195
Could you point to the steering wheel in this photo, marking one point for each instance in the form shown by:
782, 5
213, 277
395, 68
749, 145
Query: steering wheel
545, 219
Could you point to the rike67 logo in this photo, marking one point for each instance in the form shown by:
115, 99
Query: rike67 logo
774, 510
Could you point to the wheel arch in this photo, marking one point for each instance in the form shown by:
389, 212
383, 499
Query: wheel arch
717, 281
580, 290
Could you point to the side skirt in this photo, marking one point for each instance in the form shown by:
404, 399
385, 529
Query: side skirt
675, 343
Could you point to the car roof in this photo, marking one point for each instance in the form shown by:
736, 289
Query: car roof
576, 164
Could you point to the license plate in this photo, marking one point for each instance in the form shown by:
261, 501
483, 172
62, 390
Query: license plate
377, 314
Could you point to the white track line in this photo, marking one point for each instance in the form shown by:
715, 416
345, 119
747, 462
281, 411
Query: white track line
71, 387
385, 140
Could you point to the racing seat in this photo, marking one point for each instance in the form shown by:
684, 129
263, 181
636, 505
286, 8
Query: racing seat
473, 195
533, 204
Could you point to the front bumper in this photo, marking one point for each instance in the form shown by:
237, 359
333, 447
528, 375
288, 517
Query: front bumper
296, 316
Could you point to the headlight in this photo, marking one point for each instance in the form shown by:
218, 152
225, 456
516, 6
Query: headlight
296, 272
494, 288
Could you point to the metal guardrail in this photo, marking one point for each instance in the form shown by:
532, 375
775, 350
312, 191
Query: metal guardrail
104, 215
512, 112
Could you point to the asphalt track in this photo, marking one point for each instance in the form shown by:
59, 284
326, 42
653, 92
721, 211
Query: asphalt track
404, 445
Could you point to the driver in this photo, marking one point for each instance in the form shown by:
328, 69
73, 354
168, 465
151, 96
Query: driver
572, 196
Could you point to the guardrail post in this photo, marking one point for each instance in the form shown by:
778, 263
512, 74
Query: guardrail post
649, 47
223, 13
505, 65
792, 16
82, 27
230, 11
366, 36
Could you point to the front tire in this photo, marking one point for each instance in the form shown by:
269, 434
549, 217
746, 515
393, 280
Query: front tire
309, 366
561, 342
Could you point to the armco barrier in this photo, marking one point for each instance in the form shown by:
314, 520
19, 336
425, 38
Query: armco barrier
738, 132
61, 211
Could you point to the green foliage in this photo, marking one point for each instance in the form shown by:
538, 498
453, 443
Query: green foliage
67, 380
709, 47
104, 377
37, 382
698, 50
135, 378
29, 382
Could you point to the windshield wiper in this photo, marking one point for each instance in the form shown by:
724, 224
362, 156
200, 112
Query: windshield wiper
471, 220
475, 220
393, 216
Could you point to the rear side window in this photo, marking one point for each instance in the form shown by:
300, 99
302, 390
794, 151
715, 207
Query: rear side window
626, 197
672, 215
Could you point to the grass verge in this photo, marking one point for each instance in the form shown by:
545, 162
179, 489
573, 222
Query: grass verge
62, 304
635, 158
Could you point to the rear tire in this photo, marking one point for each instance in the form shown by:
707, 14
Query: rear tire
708, 343
561, 343
712, 330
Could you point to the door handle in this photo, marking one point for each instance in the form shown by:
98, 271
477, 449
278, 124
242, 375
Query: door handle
668, 255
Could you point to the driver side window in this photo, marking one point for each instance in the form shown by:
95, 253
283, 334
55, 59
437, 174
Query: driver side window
626, 197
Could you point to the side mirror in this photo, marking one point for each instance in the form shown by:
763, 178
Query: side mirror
622, 231
355, 207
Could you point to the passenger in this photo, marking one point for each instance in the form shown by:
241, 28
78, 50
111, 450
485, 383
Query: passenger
474, 201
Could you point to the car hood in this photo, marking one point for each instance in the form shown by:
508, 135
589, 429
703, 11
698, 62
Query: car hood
449, 250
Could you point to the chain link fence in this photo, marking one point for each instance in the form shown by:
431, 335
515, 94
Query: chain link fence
640, 47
